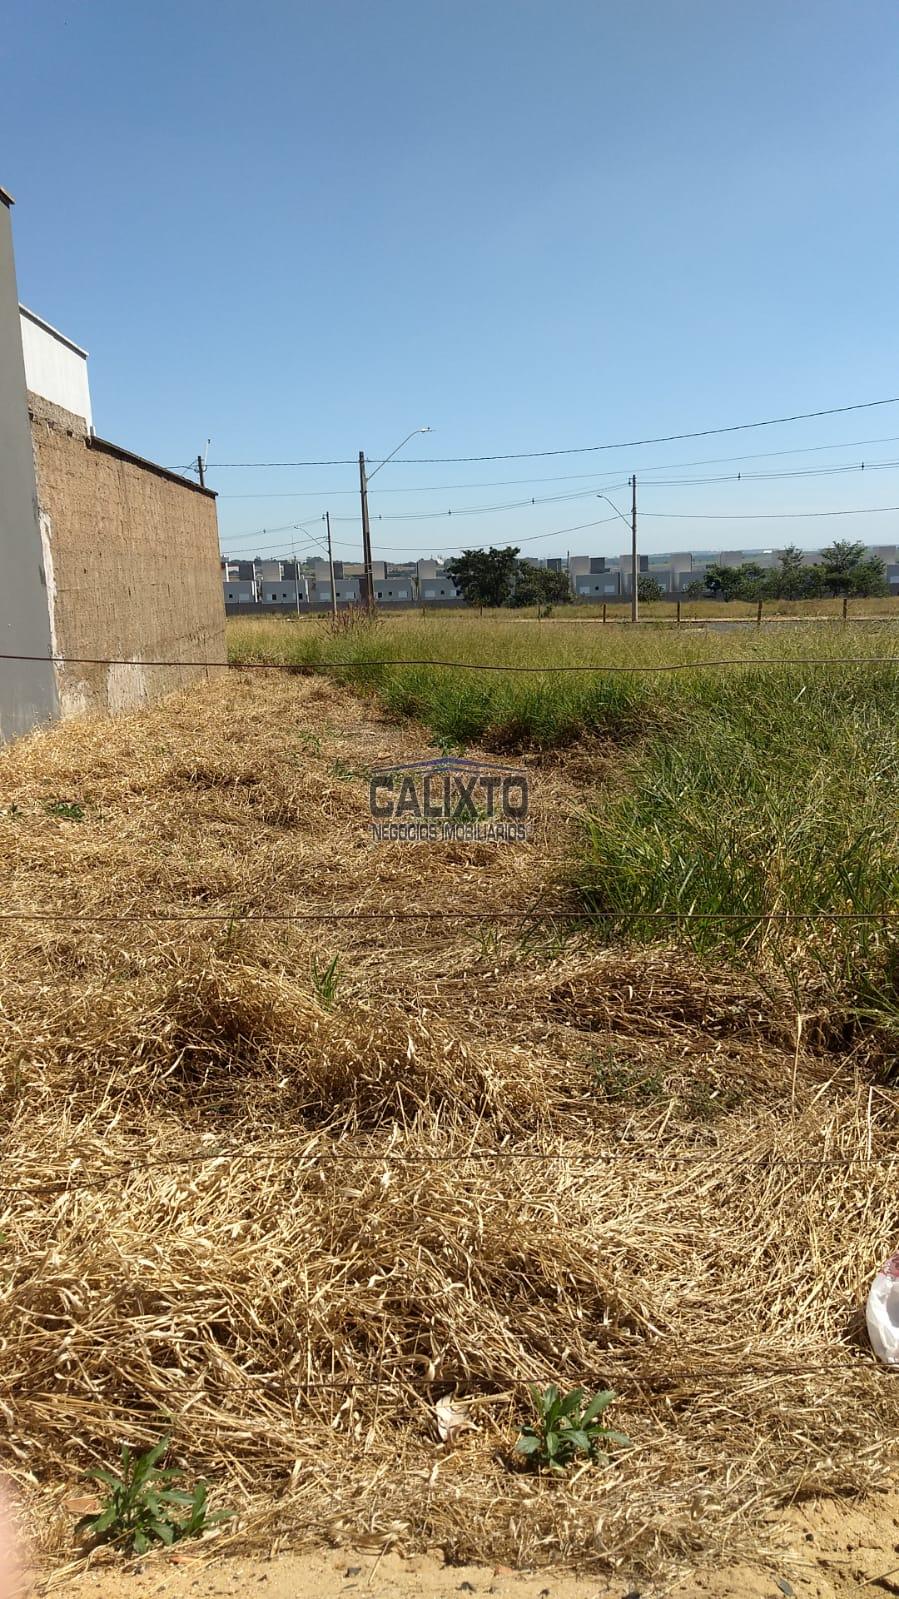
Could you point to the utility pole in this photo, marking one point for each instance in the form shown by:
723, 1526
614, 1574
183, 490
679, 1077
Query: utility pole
331, 567
366, 538
635, 576
201, 471
296, 575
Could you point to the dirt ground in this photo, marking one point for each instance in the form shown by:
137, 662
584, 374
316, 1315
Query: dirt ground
829, 1551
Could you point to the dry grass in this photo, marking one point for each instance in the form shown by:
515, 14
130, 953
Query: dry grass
286, 1231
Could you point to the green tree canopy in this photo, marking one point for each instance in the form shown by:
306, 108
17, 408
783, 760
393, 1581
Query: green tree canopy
484, 577
735, 582
790, 581
846, 569
539, 585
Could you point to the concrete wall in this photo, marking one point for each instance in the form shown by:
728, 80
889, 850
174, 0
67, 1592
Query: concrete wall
27, 689
55, 368
132, 566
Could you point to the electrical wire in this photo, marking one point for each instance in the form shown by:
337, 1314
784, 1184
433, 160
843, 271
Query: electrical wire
593, 493
584, 449
565, 477
765, 516
404, 549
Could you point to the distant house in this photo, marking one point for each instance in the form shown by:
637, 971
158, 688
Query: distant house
439, 589
393, 591
239, 591
347, 591
285, 591
597, 585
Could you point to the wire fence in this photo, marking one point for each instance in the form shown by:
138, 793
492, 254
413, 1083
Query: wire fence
372, 1157
479, 918
549, 669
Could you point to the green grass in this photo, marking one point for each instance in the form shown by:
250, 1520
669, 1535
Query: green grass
777, 794
738, 790
542, 709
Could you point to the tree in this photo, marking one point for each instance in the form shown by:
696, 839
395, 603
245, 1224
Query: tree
789, 581
648, 589
793, 579
846, 569
735, 582
695, 589
484, 577
539, 585
870, 578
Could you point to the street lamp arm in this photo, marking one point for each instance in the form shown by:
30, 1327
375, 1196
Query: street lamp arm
400, 446
615, 509
632, 528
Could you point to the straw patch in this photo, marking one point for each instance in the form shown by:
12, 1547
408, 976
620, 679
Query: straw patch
287, 1225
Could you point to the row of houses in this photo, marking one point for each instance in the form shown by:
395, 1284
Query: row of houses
593, 578
599, 577
292, 584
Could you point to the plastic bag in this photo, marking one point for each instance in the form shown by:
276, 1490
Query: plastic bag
882, 1312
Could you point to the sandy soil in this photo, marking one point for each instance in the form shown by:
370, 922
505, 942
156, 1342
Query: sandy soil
829, 1551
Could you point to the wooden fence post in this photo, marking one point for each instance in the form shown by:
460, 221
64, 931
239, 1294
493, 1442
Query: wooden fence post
603, 610
678, 613
845, 607
758, 615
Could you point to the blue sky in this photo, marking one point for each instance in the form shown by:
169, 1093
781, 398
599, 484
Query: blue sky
304, 229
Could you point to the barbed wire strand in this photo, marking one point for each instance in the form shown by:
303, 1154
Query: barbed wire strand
488, 918
600, 668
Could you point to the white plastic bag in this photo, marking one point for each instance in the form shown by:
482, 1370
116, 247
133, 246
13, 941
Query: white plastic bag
882, 1312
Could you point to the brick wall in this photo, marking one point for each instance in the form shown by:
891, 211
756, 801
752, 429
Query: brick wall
131, 559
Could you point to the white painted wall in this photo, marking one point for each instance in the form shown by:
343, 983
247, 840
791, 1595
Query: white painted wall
28, 693
55, 368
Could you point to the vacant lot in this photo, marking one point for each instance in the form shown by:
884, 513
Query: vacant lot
749, 806
282, 1215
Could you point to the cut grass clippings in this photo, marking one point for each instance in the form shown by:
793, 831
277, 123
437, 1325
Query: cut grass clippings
283, 1231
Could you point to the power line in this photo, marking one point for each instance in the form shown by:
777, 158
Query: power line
585, 449
592, 493
404, 549
435, 516
565, 477
570, 477
623, 483
765, 516
773, 477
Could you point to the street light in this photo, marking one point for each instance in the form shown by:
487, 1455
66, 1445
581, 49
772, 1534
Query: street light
326, 518
366, 529
389, 457
635, 600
